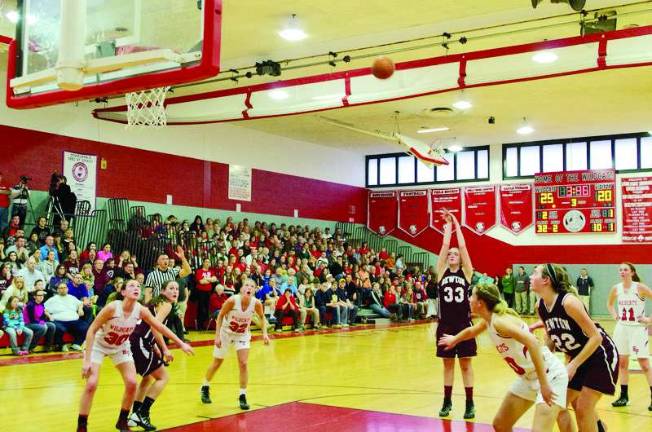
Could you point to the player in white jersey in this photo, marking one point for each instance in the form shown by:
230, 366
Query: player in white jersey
542, 378
232, 328
626, 304
108, 336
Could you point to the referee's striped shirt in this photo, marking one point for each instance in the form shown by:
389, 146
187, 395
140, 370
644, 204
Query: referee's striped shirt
157, 278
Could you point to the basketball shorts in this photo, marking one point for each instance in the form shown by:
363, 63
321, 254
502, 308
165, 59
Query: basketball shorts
632, 340
145, 357
464, 349
118, 355
528, 388
600, 371
239, 342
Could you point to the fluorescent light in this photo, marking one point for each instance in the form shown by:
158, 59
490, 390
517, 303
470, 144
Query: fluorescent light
462, 104
278, 94
525, 130
545, 57
329, 97
13, 16
431, 130
293, 31
455, 148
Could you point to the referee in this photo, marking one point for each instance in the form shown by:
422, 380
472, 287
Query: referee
163, 273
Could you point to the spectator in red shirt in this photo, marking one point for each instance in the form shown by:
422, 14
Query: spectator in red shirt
286, 306
205, 277
383, 255
217, 301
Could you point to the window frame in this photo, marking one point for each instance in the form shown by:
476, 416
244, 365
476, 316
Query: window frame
452, 160
565, 142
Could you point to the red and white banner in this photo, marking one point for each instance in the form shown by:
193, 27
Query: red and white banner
637, 209
382, 211
516, 207
413, 211
480, 208
449, 199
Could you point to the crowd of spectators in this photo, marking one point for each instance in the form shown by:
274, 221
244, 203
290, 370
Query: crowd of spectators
50, 286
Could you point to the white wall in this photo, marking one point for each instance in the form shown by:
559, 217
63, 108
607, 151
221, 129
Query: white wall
227, 143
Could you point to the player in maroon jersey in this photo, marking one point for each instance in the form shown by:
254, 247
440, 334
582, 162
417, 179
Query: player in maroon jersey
454, 271
592, 369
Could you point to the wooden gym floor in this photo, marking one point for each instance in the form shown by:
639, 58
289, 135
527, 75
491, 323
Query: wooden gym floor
363, 379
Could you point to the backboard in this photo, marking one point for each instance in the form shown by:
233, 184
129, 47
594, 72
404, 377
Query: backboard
121, 46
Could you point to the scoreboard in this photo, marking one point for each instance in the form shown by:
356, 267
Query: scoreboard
575, 202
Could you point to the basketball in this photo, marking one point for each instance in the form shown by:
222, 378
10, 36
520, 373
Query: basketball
383, 68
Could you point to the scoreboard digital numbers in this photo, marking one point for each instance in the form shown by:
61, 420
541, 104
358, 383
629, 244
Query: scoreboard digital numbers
575, 202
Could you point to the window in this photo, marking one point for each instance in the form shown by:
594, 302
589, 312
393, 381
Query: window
388, 171
406, 171
601, 157
399, 169
530, 160
372, 172
628, 152
576, 156
553, 158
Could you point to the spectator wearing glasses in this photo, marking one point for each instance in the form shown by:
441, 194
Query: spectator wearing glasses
38, 320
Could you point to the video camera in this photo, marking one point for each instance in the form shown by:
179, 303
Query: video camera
25, 179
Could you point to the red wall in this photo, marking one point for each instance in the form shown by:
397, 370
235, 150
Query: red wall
142, 175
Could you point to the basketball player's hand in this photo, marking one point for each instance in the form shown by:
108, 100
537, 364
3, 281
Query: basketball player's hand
168, 357
187, 349
644, 320
547, 394
447, 341
266, 339
218, 341
571, 368
86, 370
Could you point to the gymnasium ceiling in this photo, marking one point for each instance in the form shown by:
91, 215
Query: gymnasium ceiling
581, 105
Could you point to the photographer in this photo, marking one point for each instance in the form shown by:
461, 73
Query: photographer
64, 200
20, 196
4, 205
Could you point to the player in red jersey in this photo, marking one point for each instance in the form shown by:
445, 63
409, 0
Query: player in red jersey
454, 271
108, 336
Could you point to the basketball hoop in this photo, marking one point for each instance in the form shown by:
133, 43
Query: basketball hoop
146, 108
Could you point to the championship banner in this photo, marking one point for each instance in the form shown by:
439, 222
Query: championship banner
516, 207
571, 202
440, 199
81, 172
480, 208
413, 214
637, 209
382, 212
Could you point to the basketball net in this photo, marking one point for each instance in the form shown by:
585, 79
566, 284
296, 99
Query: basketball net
146, 108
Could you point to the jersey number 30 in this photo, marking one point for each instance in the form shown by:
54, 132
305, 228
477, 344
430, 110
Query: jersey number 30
115, 339
458, 295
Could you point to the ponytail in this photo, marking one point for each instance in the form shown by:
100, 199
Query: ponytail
490, 295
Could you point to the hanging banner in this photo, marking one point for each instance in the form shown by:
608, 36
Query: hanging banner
516, 207
382, 212
570, 202
637, 209
81, 172
413, 211
449, 199
239, 183
480, 208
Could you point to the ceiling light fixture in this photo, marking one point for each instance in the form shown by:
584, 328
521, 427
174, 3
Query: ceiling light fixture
462, 103
278, 94
545, 57
292, 31
525, 128
455, 148
13, 16
431, 130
